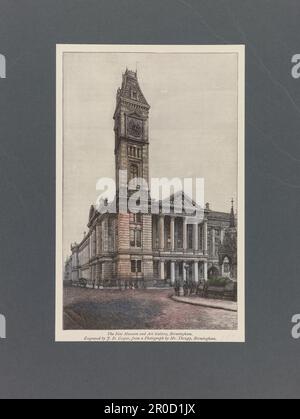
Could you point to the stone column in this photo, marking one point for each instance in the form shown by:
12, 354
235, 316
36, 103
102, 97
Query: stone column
162, 270
98, 251
89, 250
213, 240
196, 277
222, 235
205, 271
161, 232
205, 231
103, 234
97, 282
184, 271
94, 275
172, 228
195, 238
93, 243
172, 273
181, 290
90, 280
184, 234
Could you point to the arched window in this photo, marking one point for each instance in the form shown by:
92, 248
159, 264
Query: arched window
134, 95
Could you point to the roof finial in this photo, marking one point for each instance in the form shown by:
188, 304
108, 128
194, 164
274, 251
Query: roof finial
232, 216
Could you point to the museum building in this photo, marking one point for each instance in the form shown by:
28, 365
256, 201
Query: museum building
146, 249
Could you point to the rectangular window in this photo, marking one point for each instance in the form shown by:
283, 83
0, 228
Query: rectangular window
135, 238
136, 266
138, 238
138, 218
133, 266
200, 237
139, 266
132, 238
135, 152
190, 236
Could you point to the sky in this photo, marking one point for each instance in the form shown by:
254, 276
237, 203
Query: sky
192, 124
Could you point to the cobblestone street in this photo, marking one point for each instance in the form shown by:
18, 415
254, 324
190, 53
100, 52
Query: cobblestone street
86, 309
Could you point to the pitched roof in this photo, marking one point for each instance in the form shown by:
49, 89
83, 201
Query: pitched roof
131, 90
181, 201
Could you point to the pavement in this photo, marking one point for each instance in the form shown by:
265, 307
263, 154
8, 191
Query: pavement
208, 302
88, 309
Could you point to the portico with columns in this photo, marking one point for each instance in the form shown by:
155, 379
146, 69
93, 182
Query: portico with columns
180, 247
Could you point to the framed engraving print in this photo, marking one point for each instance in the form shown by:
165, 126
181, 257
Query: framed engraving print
150, 193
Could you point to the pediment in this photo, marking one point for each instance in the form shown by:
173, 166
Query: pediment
180, 200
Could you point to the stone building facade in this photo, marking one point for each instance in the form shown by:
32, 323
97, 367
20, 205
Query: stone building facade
147, 249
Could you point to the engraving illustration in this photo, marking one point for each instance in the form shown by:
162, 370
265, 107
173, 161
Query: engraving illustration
150, 193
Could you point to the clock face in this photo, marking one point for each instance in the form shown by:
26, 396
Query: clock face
135, 127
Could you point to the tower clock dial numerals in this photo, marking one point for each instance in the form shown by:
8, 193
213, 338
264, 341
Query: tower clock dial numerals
135, 127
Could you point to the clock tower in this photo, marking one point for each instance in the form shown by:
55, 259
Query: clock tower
134, 231
131, 130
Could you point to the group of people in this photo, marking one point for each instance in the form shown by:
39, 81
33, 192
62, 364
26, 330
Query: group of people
190, 288
131, 284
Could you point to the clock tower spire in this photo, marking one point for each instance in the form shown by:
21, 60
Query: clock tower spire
131, 129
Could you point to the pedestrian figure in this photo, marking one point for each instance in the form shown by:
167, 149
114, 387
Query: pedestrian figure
176, 288
185, 289
192, 289
205, 290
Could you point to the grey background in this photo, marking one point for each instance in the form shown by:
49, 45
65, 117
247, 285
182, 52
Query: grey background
31, 364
